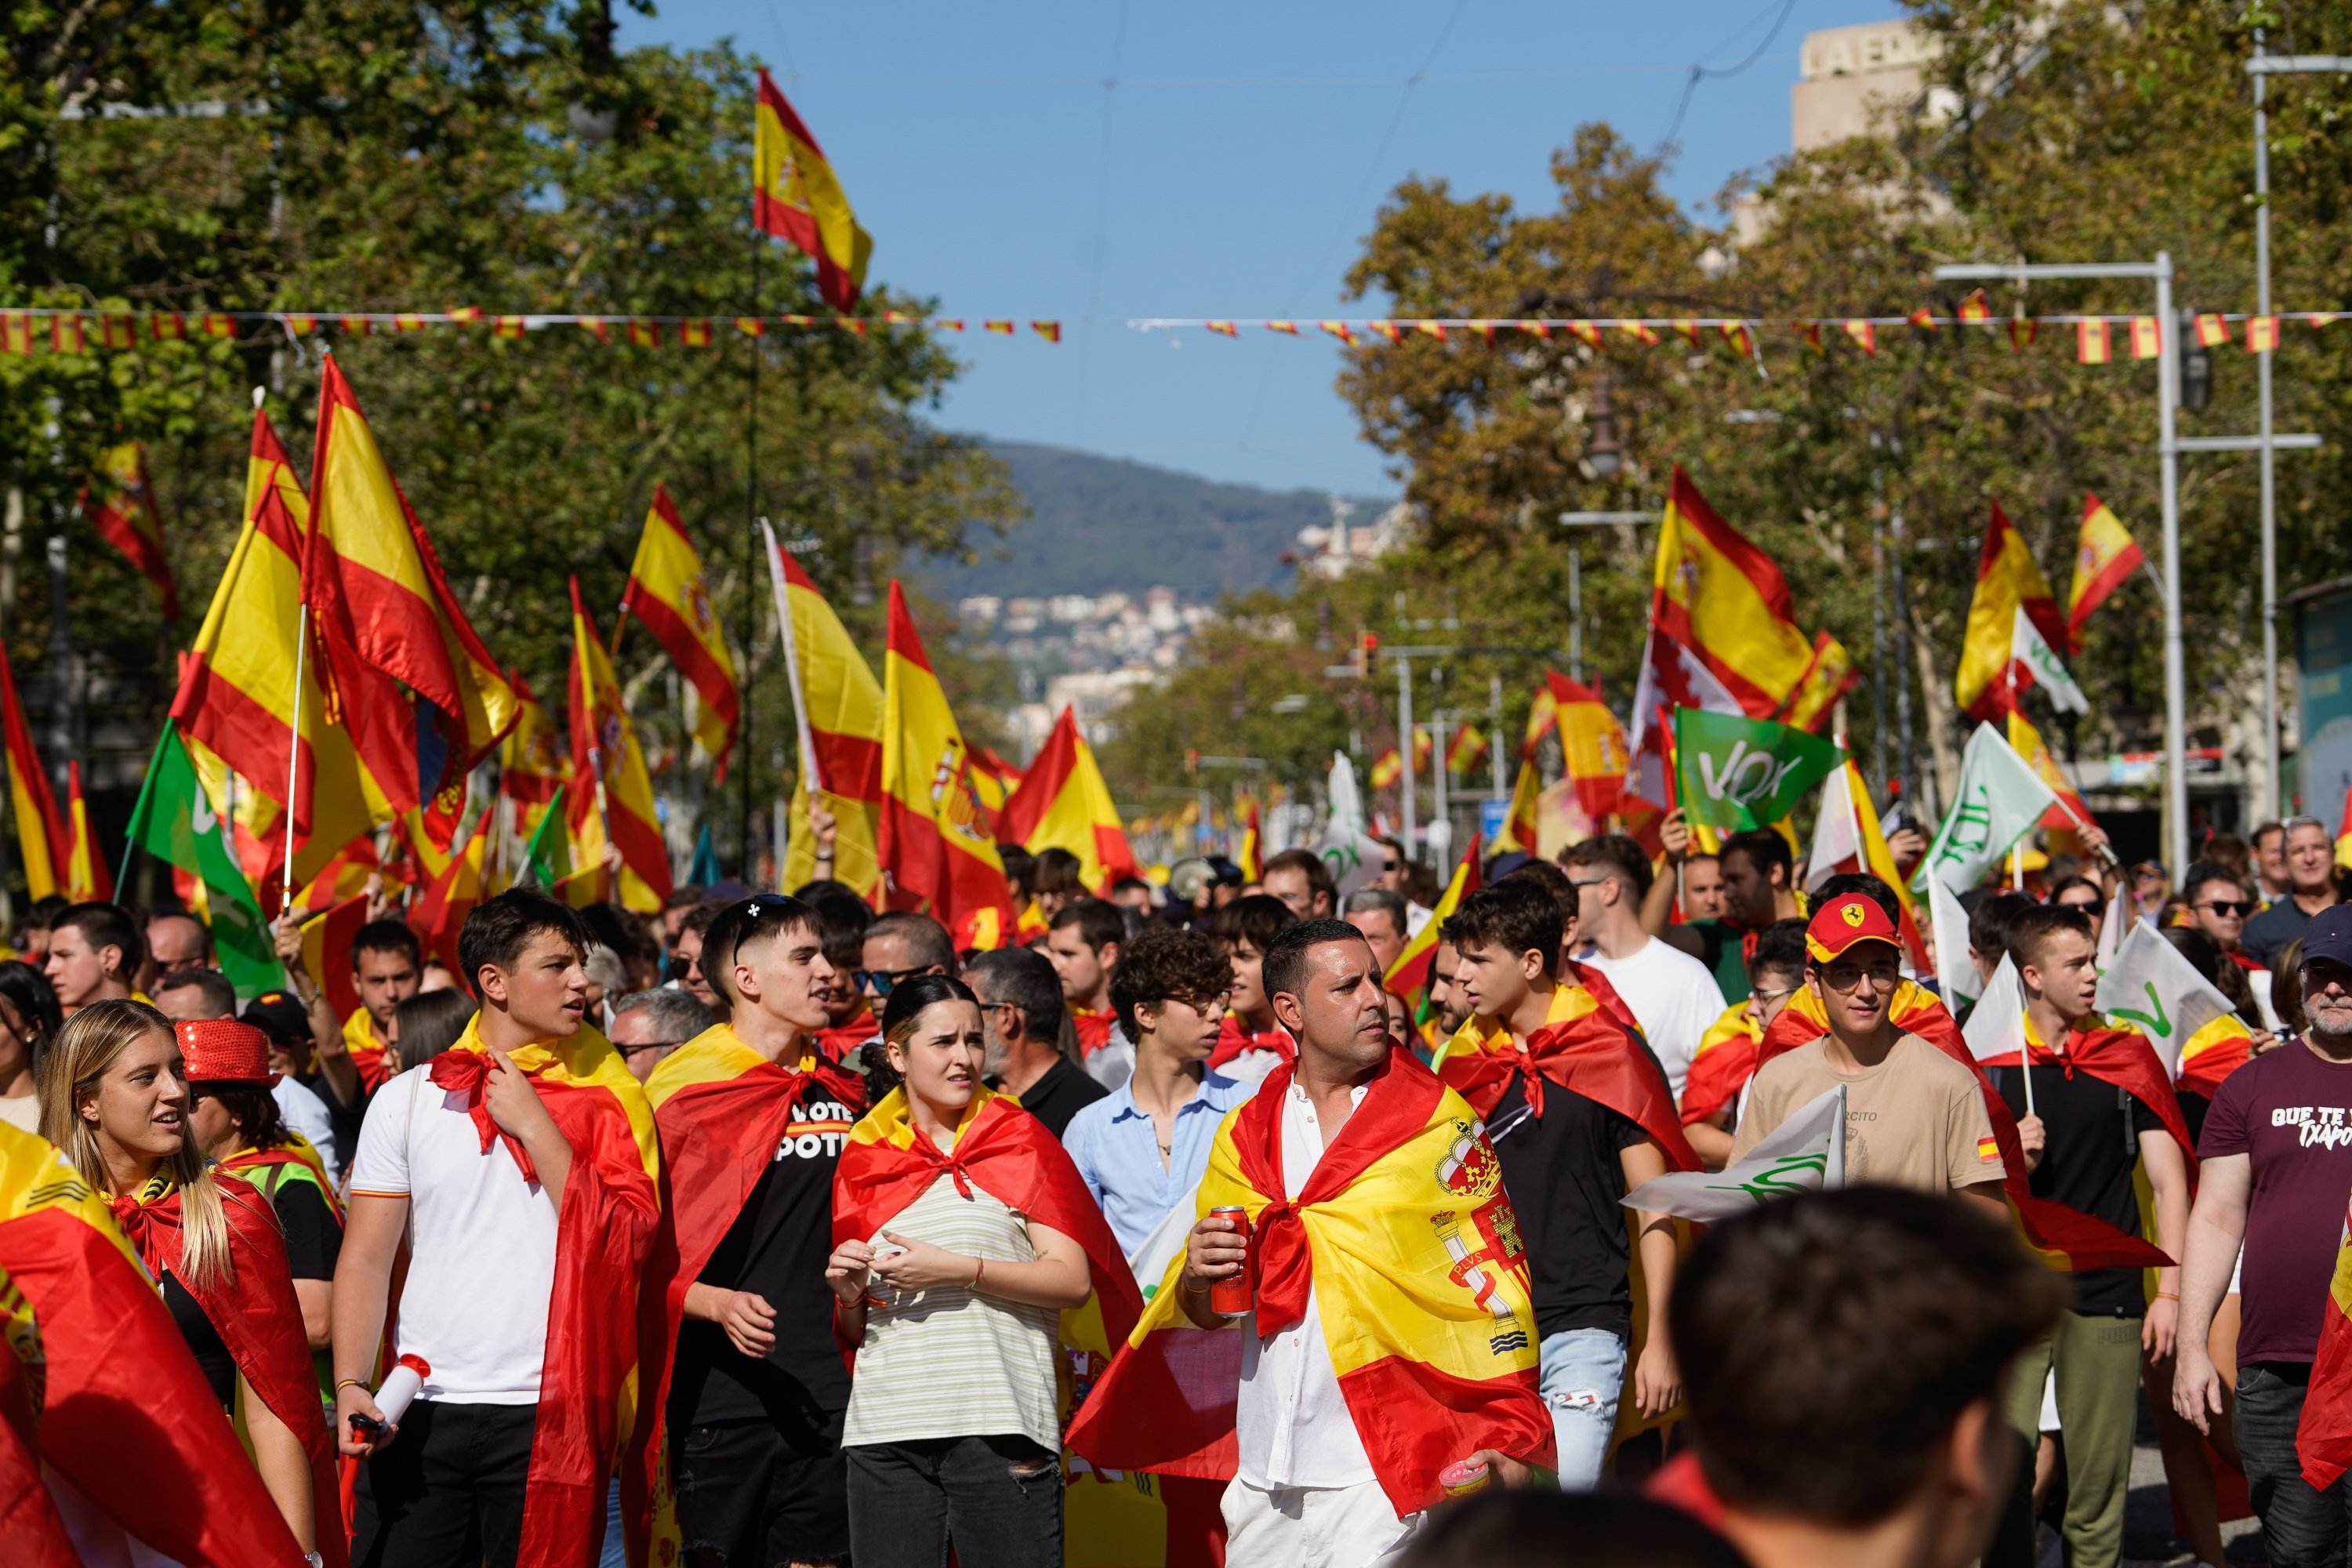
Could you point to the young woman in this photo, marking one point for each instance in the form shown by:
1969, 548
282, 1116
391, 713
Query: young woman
961, 1233
115, 1099
428, 1024
28, 1022
233, 1121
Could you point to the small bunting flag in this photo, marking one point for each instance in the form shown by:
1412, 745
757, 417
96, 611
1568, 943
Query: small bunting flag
1339, 330
1585, 332
1923, 318
2147, 342
302, 326
598, 328
1003, 329
2261, 334
1737, 334
1640, 331
1689, 331
170, 326
694, 334
2023, 331
1431, 330
220, 327
15, 333
2212, 331
515, 326
1225, 329
2091, 345
1049, 330
645, 335
1388, 330
1974, 310
751, 326
465, 315
1290, 327
1811, 332
954, 324
1864, 335
65, 333
355, 326
408, 323
1534, 328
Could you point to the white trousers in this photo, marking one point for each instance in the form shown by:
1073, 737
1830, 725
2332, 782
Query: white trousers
1309, 1527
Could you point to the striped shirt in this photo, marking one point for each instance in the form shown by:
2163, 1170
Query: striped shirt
947, 1361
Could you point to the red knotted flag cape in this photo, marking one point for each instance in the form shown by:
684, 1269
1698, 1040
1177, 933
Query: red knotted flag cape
2122, 1058
1235, 1039
722, 1108
256, 1314
1583, 1049
605, 1231
2083, 1240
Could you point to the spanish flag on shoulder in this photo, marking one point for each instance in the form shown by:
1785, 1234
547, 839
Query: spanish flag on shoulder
1409, 1244
121, 1410
1721, 1066
605, 1232
722, 1110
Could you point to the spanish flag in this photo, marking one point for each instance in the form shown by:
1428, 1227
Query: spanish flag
667, 591
1467, 749
796, 196
1407, 1241
612, 796
935, 840
1062, 803
840, 707
122, 1413
1252, 858
43, 846
121, 504
1592, 744
2007, 580
1408, 976
251, 1306
440, 913
2105, 554
2212, 1054
531, 769
1721, 1066
723, 1111
420, 694
1386, 769
1721, 599
1519, 820
86, 877
589, 1381
2068, 811
2323, 1438
238, 687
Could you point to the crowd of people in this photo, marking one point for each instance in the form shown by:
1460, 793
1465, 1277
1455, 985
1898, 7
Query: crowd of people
772, 1230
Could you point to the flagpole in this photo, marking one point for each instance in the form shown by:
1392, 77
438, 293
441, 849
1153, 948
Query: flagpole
294, 745
743, 751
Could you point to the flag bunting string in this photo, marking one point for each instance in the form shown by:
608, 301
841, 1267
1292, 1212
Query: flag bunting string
60, 329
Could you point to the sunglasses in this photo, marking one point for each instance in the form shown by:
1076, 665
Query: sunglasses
878, 982
2240, 906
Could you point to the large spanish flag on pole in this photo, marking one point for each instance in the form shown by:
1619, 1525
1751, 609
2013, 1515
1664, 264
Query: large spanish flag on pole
2105, 554
86, 877
2007, 581
1592, 743
121, 504
838, 708
795, 195
43, 845
1408, 976
613, 794
422, 697
935, 841
668, 592
1064, 803
249, 672
123, 1414
531, 769
1408, 1243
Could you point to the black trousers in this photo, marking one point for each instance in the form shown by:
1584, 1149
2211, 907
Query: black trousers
448, 1491
748, 1497
998, 1501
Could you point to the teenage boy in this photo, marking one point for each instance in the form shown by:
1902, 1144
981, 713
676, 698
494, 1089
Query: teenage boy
521, 1169
1580, 1115
1083, 944
2102, 1109
94, 950
1252, 1042
1915, 1118
752, 1118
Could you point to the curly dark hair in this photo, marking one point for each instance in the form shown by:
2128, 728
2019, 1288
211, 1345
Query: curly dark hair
1168, 964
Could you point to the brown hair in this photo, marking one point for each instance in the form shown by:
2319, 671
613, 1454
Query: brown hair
88, 1045
1168, 964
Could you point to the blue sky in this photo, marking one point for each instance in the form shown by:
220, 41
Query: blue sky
1232, 171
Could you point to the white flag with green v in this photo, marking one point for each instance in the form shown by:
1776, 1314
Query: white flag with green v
1805, 1154
1998, 800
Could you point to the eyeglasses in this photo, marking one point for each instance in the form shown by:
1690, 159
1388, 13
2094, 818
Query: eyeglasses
2240, 907
1841, 979
878, 982
648, 1046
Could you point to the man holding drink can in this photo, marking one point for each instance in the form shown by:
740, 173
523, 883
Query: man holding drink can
1366, 1193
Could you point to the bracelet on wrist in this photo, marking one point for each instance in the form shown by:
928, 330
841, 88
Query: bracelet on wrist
979, 1271
343, 1383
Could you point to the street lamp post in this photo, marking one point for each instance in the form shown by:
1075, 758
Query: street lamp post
1576, 571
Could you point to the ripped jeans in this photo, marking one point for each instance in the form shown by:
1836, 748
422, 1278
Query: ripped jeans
997, 1501
1579, 1372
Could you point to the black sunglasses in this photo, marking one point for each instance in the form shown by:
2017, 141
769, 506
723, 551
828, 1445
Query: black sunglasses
2229, 906
879, 981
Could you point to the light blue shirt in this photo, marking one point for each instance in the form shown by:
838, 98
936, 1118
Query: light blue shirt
1116, 1152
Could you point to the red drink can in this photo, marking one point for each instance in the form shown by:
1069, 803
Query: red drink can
1462, 1477
1232, 1298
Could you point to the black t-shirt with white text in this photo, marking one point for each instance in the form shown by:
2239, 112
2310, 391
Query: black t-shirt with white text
1566, 1185
2091, 1132
776, 1249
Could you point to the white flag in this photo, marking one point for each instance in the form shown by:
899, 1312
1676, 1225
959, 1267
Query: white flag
2029, 648
2121, 917
1348, 848
1998, 800
1837, 834
2149, 985
1997, 1028
1956, 972
1805, 1154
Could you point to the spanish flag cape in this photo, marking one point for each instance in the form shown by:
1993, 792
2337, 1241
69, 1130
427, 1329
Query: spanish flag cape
1721, 1066
1405, 1235
1093, 1026
837, 1040
1593, 980
97, 1383
2078, 1240
1584, 1049
254, 1310
1235, 1039
720, 1107
2212, 1054
1006, 1152
2119, 1056
603, 1232
366, 1046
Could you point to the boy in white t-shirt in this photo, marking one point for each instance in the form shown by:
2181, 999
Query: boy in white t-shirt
437, 1159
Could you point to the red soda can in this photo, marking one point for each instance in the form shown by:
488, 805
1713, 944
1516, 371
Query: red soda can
1232, 1298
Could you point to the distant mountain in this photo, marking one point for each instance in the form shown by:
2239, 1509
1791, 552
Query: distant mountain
1097, 524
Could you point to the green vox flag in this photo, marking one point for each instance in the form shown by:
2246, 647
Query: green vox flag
547, 858
1736, 772
176, 823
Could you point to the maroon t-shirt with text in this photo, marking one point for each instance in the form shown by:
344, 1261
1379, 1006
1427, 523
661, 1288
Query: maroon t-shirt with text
2291, 1111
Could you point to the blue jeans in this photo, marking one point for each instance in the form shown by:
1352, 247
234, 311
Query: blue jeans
615, 1553
1579, 1372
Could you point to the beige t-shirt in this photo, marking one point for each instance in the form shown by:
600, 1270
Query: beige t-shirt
1916, 1119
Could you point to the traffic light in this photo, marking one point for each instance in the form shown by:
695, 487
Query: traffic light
1368, 654
2196, 366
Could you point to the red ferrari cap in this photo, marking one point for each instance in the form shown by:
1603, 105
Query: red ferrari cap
1841, 922
221, 1050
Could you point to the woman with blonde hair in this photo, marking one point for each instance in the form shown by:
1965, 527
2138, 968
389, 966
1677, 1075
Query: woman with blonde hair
115, 1099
